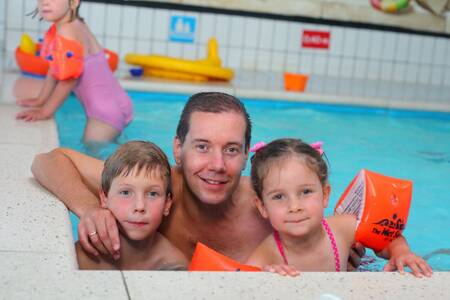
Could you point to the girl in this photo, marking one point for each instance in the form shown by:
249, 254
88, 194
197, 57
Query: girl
290, 179
107, 106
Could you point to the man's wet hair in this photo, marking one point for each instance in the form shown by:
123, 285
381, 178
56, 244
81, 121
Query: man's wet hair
213, 102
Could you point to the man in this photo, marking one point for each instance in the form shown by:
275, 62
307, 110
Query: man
212, 203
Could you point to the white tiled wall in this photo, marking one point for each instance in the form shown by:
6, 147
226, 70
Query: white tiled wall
251, 43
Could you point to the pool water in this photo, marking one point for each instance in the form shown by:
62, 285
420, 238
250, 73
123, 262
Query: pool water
403, 144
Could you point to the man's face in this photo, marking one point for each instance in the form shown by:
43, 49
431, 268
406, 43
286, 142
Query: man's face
213, 155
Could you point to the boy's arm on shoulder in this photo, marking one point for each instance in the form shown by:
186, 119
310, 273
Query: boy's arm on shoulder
72, 176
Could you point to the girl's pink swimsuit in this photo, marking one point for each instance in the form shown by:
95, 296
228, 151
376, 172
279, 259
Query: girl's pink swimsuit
334, 247
100, 93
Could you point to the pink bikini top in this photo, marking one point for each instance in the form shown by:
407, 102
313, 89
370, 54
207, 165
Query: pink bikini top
334, 247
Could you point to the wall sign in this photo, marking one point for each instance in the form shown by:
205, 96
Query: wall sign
182, 29
316, 39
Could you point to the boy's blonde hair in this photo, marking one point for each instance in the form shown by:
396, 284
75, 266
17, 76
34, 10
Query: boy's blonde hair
145, 156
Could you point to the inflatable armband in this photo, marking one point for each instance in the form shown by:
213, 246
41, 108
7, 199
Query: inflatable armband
65, 56
381, 205
206, 259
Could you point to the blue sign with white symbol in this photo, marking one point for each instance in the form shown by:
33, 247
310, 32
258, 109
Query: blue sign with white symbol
182, 29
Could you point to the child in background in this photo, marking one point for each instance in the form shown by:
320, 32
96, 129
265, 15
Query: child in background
290, 179
136, 188
106, 104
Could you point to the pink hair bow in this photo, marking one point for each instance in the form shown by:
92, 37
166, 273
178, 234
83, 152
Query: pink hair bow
258, 146
317, 146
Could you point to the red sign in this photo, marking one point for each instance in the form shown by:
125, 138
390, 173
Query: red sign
316, 39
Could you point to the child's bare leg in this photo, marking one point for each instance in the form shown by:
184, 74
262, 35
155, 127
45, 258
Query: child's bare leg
99, 132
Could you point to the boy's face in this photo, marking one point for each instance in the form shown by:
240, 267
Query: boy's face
138, 201
213, 155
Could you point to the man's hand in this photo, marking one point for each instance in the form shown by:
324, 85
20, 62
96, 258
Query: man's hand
282, 270
98, 232
356, 253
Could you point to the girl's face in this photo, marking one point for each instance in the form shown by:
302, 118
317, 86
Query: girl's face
293, 197
138, 201
56, 10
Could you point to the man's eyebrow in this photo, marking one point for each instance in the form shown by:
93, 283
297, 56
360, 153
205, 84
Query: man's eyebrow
200, 140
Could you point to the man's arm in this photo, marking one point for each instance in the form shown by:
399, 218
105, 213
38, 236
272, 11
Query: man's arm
75, 179
72, 176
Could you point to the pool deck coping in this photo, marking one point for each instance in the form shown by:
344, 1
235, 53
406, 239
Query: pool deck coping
38, 260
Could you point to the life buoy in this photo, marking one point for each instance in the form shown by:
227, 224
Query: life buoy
390, 6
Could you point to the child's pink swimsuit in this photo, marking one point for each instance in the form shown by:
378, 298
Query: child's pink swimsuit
334, 247
100, 93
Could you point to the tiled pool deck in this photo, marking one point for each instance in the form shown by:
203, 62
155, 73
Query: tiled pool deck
36, 248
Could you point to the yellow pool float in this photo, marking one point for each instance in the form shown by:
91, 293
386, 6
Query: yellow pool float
183, 69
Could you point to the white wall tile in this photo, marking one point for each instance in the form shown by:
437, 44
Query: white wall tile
403, 45
175, 49
129, 21
294, 37
223, 55
428, 44
447, 77
159, 47
386, 71
350, 40
437, 75
234, 57
145, 24
266, 34
376, 44
389, 46
399, 73
263, 60
237, 29
15, 14
292, 61
127, 45
333, 66
251, 34
373, 69
415, 49
440, 55
222, 28
113, 20
346, 69
249, 59
360, 68
206, 28
306, 64
280, 35
363, 43
189, 51
161, 23
320, 65
412, 73
278, 60
97, 24
337, 41
112, 44
85, 12
424, 74
143, 46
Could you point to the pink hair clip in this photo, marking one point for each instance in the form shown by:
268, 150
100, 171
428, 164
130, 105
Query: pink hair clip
318, 146
258, 146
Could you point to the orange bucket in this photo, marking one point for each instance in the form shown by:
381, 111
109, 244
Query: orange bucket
295, 82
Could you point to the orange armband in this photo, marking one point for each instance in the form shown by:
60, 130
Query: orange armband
381, 206
65, 56
206, 259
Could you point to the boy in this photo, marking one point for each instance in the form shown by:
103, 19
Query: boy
136, 188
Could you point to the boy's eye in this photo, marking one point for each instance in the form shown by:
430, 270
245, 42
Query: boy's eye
153, 194
277, 197
125, 193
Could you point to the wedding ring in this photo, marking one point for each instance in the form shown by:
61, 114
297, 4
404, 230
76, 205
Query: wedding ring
92, 233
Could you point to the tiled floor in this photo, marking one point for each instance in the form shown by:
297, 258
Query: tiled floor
36, 248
